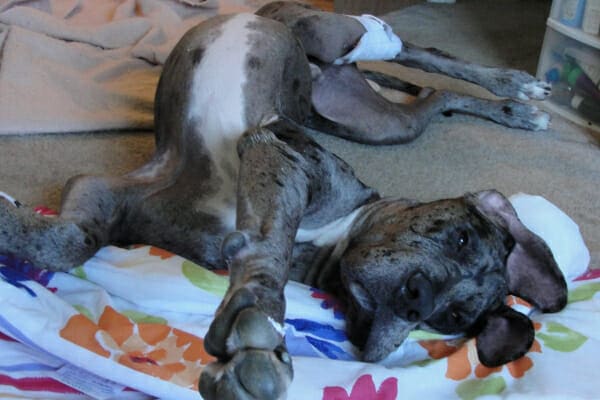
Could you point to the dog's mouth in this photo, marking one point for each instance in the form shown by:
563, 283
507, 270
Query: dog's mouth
419, 302
465, 315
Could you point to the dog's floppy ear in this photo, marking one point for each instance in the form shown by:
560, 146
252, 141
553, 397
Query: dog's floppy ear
506, 335
531, 271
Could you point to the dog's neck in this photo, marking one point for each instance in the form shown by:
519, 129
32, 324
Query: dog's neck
317, 253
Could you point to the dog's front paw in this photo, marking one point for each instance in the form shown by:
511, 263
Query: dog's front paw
250, 374
519, 85
252, 360
521, 115
537, 90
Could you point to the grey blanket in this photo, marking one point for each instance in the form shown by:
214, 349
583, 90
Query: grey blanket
88, 65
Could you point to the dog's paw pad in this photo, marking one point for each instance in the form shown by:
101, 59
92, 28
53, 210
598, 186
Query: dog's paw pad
253, 329
250, 374
232, 244
240, 324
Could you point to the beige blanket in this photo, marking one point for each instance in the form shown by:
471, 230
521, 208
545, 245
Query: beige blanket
86, 65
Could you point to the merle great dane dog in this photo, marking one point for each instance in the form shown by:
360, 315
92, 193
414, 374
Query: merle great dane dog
234, 182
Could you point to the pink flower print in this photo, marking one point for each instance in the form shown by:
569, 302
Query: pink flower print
45, 211
364, 389
589, 274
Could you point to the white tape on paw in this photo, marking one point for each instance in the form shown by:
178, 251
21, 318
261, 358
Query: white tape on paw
277, 326
379, 42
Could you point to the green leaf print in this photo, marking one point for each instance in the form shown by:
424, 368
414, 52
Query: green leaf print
84, 311
79, 272
474, 388
584, 292
424, 335
560, 338
205, 279
141, 318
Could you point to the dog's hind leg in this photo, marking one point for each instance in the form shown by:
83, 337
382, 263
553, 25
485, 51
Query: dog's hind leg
324, 35
391, 82
91, 210
50, 243
61, 243
66, 241
246, 335
502, 82
346, 106
328, 37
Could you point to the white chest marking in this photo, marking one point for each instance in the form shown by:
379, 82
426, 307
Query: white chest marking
331, 233
217, 105
217, 100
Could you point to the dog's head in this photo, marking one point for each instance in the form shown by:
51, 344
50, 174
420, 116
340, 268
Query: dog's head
447, 266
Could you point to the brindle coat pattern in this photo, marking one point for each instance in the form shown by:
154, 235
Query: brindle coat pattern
234, 182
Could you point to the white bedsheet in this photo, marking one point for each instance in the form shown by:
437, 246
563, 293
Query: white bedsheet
87, 334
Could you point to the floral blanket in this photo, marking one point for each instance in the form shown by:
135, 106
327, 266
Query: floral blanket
129, 323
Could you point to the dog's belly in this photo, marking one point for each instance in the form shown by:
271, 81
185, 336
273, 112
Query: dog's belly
239, 82
217, 100
217, 109
230, 75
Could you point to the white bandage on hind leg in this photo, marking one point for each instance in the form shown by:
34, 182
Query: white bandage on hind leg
379, 42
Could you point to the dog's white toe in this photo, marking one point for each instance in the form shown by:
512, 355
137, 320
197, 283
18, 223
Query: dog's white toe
538, 90
541, 121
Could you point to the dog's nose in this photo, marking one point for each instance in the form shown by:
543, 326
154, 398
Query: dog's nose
416, 303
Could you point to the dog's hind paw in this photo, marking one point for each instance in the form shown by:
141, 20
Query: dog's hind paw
519, 115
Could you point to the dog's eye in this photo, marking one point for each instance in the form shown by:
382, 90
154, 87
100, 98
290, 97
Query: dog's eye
456, 317
463, 240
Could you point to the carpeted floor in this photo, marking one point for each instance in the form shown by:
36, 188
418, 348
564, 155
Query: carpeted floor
455, 154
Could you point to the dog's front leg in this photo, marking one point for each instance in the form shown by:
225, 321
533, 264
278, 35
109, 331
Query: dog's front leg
246, 335
502, 82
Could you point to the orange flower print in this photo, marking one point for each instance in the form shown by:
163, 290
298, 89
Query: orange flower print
512, 300
154, 251
463, 360
158, 252
155, 349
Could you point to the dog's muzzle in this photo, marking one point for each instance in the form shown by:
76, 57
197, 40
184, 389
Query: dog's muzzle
416, 299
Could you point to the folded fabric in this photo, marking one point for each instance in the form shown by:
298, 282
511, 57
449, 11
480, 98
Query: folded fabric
89, 332
85, 65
